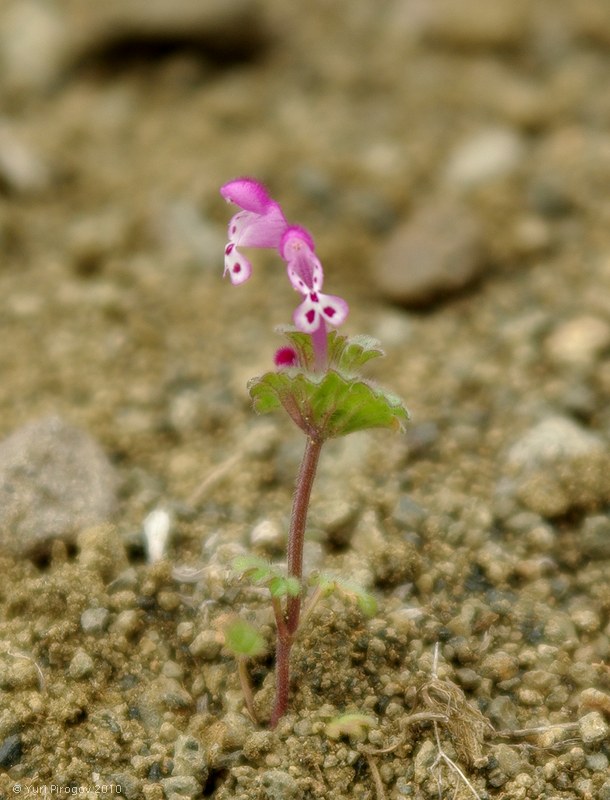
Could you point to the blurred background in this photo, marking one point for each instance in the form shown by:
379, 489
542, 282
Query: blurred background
452, 160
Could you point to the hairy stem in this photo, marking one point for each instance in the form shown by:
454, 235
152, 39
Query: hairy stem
296, 539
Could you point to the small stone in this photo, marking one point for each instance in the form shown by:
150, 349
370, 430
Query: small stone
130, 786
468, 679
594, 699
594, 538
81, 666
268, 534
579, 341
190, 759
206, 645
257, 744
128, 623
439, 250
560, 630
54, 481
21, 170
508, 758
503, 713
279, 785
593, 728
557, 466
11, 751
500, 666
598, 762
94, 620
179, 787
424, 758
407, 513
486, 156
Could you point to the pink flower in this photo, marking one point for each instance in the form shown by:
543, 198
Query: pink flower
260, 223
306, 276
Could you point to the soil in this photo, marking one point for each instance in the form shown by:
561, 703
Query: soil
485, 671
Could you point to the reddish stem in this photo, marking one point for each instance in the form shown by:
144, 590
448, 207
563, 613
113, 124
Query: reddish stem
296, 539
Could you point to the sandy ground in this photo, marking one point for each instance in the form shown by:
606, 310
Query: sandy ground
470, 138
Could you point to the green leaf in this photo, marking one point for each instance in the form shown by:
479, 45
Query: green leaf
280, 586
243, 639
256, 568
327, 405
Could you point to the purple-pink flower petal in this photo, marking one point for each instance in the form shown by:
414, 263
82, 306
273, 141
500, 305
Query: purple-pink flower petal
247, 194
236, 265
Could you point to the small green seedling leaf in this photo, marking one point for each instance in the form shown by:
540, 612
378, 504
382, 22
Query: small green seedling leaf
243, 640
354, 725
280, 586
256, 568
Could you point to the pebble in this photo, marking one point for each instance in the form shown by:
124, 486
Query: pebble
508, 758
94, 620
54, 480
190, 759
557, 466
11, 750
22, 171
579, 341
206, 645
439, 250
486, 156
594, 538
179, 787
593, 728
594, 699
500, 666
81, 665
279, 785
268, 534
503, 713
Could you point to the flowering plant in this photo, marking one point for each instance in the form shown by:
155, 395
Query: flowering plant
317, 382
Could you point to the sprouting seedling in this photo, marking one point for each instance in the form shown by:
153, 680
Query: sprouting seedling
317, 381
354, 725
244, 642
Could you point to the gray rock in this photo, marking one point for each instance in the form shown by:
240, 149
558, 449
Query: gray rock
81, 665
593, 728
190, 759
94, 620
279, 785
438, 251
40, 42
558, 465
54, 480
180, 786
11, 750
